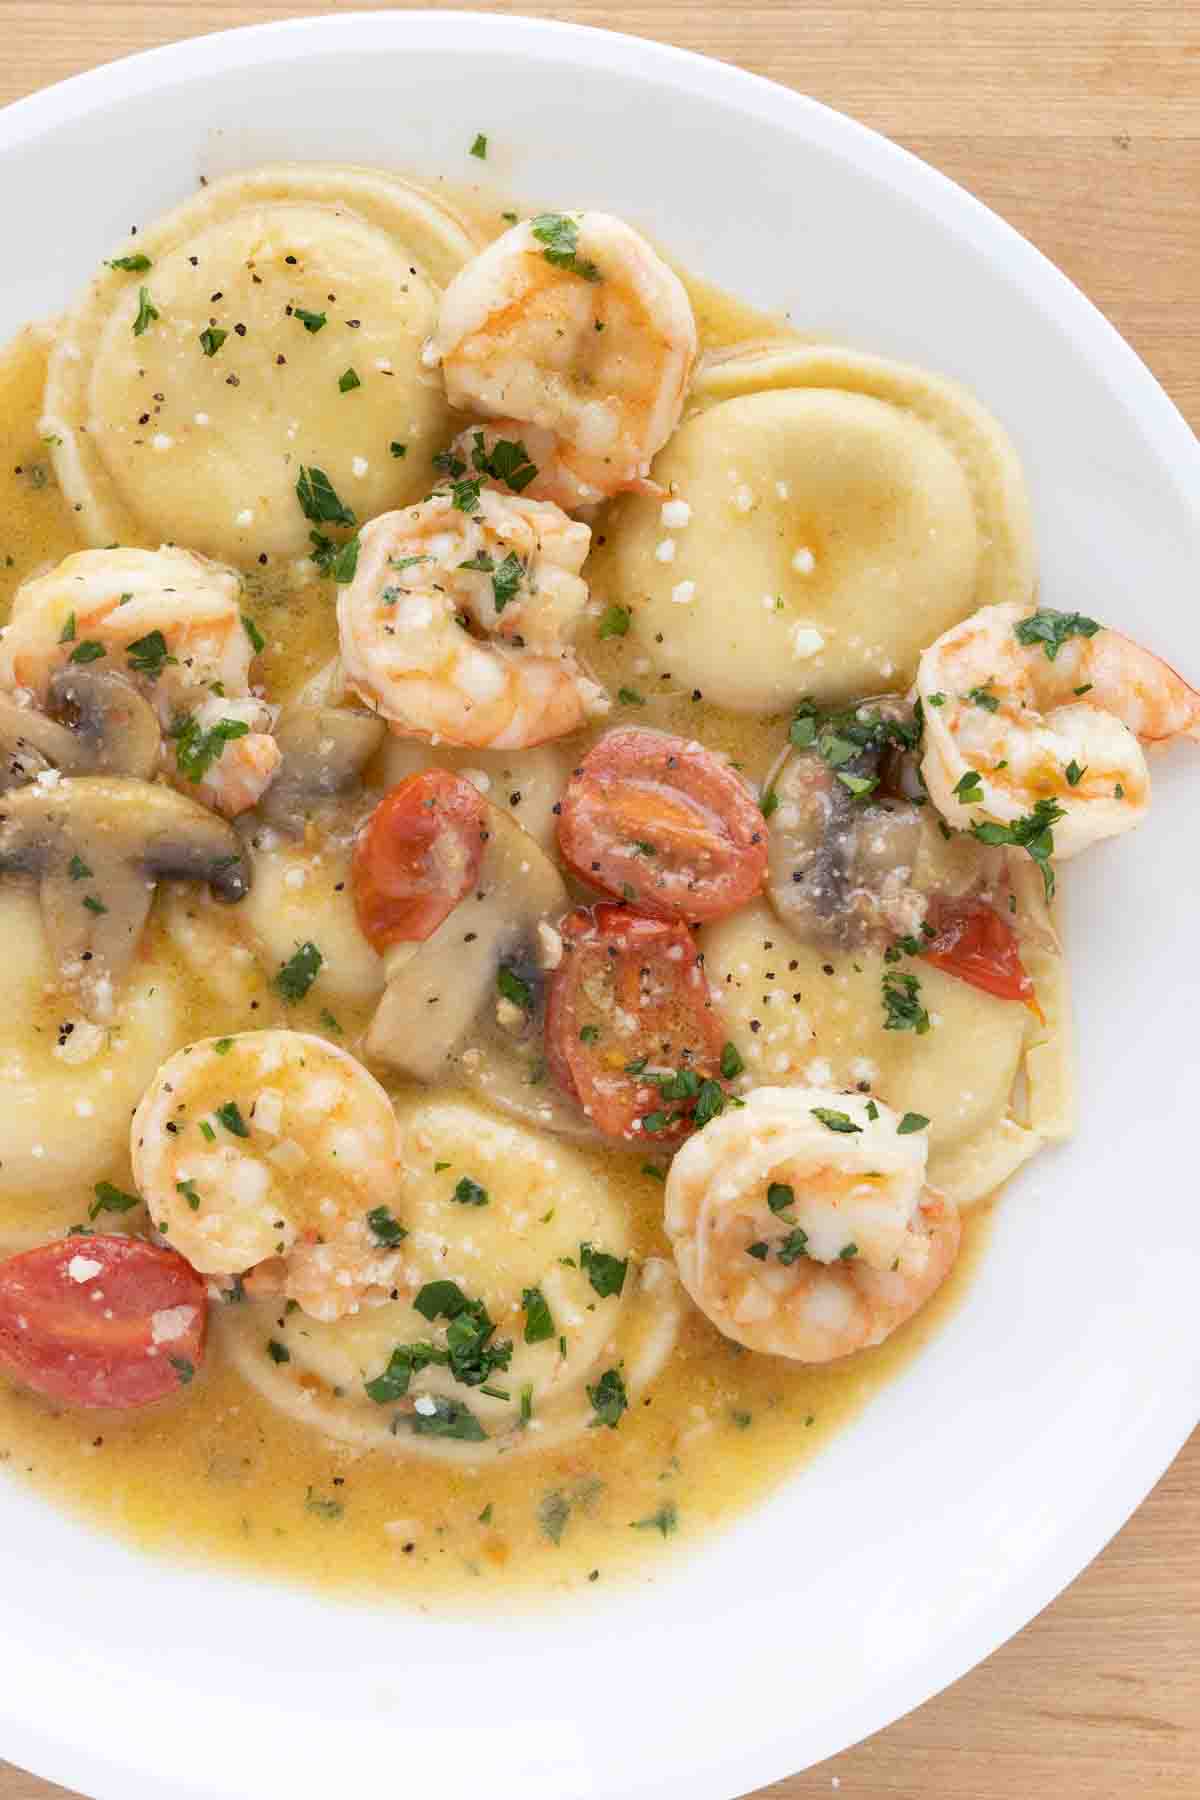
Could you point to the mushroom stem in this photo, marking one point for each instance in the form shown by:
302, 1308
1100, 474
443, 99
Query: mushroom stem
97, 845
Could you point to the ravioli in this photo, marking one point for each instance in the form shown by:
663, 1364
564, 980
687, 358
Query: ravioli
69, 1085
540, 1212
278, 325
831, 513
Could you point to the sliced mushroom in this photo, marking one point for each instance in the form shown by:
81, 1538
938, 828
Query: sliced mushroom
440, 991
325, 750
95, 723
97, 844
846, 872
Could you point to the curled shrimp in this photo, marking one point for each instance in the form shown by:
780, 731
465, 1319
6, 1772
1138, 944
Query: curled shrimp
571, 323
1025, 707
274, 1152
802, 1225
170, 622
509, 568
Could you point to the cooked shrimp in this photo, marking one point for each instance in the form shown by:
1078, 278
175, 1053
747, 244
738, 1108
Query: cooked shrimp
246, 762
275, 1152
1026, 706
520, 458
509, 568
802, 1225
168, 620
570, 322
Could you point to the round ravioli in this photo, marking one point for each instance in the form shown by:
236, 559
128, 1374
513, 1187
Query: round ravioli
800, 1013
521, 1320
69, 1085
831, 513
276, 325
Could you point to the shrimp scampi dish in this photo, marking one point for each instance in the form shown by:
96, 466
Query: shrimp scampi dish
530, 814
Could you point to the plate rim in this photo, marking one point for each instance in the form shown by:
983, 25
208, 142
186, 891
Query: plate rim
1111, 360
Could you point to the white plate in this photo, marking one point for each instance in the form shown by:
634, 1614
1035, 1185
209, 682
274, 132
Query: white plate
988, 1475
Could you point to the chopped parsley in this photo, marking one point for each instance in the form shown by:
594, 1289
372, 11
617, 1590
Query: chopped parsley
386, 1230
507, 580
560, 235
324, 1509
606, 1273
190, 1193
902, 1004
258, 642
588, 1034
94, 905
465, 495
298, 973
469, 1193
614, 621
969, 788
665, 1520
911, 1122
780, 1196
539, 1323
508, 461
185, 1369
78, 870
211, 339
231, 1118
397, 449
1052, 629
278, 1353
554, 1509
1033, 833
343, 563
609, 1399
405, 1361
840, 737
449, 1419
88, 652
111, 1199
132, 265
472, 1356
731, 1062
67, 635
759, 1250
1074, 773
196, 750
318, 499
793, 1247
348, 380
147, 312
981, 697
148, 655
479, 147
630, 697
833, 1121
311, 321
510, 986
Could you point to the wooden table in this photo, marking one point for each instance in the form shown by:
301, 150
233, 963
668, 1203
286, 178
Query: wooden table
1080, 123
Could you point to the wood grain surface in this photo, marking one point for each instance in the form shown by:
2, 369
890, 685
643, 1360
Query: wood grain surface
1080, 123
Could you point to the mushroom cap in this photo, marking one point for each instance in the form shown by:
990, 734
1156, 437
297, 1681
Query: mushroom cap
95, 722
97, 845
325, 750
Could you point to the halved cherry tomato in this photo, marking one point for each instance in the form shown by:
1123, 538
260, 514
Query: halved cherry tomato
418, 856
631, 1029
974, 943
664, 824
101, 1321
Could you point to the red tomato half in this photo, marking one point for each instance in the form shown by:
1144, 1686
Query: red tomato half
628, 1002
974, 943
101, 1321
418, 856
664, 824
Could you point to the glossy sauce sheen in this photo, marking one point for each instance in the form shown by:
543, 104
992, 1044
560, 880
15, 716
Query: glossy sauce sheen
216, 1471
